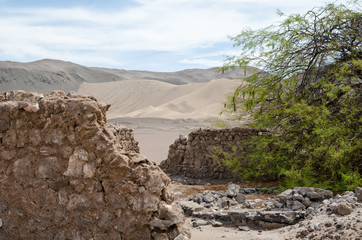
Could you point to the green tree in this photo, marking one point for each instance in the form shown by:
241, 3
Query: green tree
307, 94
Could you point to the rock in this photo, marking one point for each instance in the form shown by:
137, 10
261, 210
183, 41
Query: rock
304, 232
340, 225
244, 228
310, 210
277, 204
160, 236
343, 209
199, 222
317, 194
297, 206
169, 215
1, 222
208, 198
208, 205
284, 196
316, 226
32, 107
181, 237
189, 207
233, 190
358, 193
249, 190
306, 202
216, 223
298, 197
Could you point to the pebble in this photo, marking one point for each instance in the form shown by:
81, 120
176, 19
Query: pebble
340, 225
199, 222
316, 226
216, 223
310, 211
244, 228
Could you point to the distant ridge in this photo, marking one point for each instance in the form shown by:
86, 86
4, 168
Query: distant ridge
47, 75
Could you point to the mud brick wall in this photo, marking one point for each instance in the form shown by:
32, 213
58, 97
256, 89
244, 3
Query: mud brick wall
191, 156
66, 174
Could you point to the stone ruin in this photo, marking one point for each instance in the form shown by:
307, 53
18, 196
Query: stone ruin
66, 174
315, 213
191, 156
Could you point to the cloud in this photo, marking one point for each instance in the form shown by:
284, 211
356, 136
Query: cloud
102, 36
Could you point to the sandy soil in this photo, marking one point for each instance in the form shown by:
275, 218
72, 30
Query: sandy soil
211, 233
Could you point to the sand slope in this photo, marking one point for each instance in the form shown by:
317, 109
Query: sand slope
155, 99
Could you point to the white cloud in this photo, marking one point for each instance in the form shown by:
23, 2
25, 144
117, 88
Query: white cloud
203, 62
91, 36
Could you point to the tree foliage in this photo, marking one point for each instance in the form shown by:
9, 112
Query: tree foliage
307, 94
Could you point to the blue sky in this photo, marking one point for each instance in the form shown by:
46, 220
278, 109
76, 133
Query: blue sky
156, 35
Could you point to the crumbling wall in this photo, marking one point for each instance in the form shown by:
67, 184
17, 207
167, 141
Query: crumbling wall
192, 156
66, 174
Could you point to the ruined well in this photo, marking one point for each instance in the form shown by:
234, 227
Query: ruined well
66, 174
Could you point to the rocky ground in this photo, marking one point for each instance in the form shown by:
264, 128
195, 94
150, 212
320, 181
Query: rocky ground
260, 213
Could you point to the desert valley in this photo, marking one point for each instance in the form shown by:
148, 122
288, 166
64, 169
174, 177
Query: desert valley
155, 105
116, 127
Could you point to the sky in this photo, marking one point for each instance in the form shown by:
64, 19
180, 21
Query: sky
154, 35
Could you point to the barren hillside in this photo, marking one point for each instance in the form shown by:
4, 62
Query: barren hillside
47, 75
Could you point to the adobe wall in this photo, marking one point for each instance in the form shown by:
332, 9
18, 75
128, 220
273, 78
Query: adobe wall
66, 174
191, 156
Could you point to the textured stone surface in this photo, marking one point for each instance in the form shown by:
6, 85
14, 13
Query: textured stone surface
301, 198
267, 212
191, 157
66, 174
358, 193
343, 209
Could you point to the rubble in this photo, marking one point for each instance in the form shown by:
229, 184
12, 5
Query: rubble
274, 211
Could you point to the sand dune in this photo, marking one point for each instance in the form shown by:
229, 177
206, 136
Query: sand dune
155, 99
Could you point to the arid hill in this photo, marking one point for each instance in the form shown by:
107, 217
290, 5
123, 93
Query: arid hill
47, 75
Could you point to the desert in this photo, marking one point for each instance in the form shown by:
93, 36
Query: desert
143, 123
180, 120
